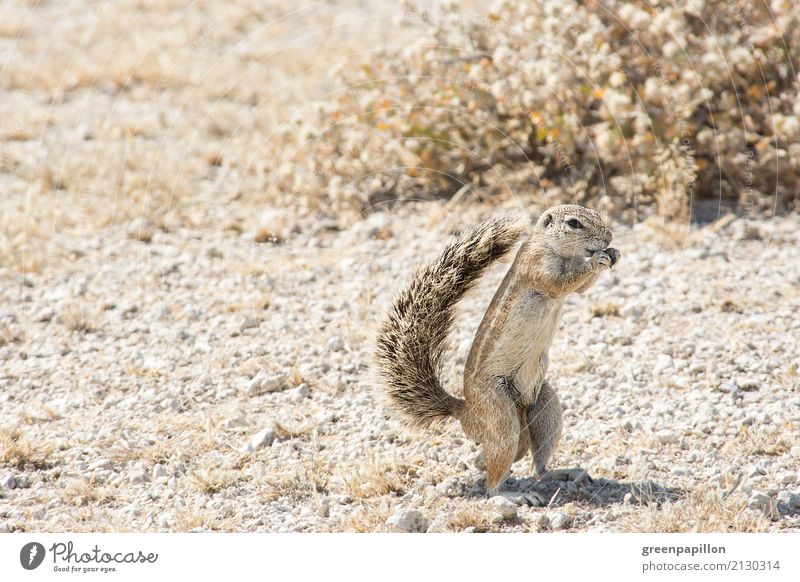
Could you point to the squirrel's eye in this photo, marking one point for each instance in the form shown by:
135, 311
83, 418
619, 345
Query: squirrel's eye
574, 223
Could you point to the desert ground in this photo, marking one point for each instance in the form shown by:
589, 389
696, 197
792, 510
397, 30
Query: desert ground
178, 352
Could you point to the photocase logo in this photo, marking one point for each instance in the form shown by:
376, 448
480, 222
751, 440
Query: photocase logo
31, 555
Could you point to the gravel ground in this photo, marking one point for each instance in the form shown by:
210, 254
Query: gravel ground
192, 379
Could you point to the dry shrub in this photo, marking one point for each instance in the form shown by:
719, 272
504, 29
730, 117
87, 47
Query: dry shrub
604, 309
475, 516
9, 334
764, 441
16, 451
203, 518
297, 481
214, 480
369, 518
80, 316
656, 106
372, 478
81, 492
702, 511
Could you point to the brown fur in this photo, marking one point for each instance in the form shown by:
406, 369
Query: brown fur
508, 405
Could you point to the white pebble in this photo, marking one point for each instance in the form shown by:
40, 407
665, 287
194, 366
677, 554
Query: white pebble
260, 440
504, 507
559, 521
666, 437
762, 502
159, 471
300, 393
407, 521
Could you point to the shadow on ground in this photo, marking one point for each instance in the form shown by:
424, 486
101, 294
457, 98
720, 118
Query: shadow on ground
594, 492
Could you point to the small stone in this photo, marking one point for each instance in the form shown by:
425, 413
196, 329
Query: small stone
791, 500
101, 465
543, 521
159, 471
762, 502
160, 310
164, 520
787, 478
324, 507
248, 323
438, 525
663, 362
234, 422
266, 383
747, 384
504, 507
44, 315
5, 527
273, 226
260, 440
141, 229
560, 521
300, 393
138, 475
407, 521
666, 437
336, 344
8, 481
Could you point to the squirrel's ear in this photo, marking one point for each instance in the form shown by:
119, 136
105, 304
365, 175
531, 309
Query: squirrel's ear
545, 220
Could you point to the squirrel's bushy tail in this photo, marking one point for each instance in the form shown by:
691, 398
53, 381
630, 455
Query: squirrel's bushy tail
412, 339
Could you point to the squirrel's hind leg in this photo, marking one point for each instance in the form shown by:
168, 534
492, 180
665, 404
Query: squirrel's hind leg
492, 420
544, 426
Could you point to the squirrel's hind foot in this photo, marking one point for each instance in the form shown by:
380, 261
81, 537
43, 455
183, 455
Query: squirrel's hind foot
576, 475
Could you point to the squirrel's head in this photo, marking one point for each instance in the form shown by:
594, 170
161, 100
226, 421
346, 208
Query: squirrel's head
573, 231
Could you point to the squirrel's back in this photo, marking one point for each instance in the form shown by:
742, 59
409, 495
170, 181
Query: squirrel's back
412, 339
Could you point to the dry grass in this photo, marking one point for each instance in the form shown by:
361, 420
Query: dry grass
214, 480
367, 518
89, 519
80, 316
296, 481
44, 414
703, 511
203, 518
158, 452
80, 492
604, 309
373, 478
17, 451
473, 516
769, 441
286, 433
10, 334
176, 437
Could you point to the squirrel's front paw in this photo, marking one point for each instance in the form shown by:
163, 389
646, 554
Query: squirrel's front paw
602, 259
613, 254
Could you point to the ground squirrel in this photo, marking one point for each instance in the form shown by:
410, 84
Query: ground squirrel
508, 406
